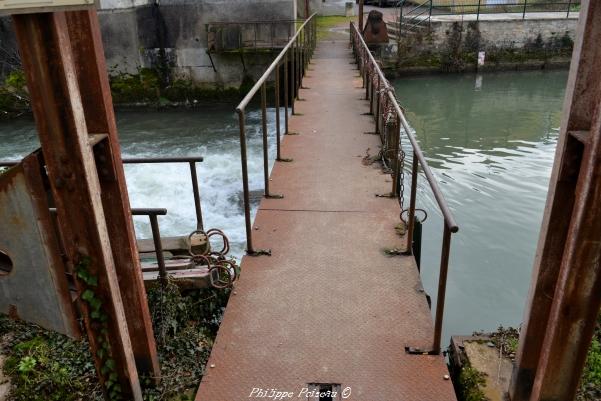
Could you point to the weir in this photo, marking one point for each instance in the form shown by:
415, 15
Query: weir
330, 297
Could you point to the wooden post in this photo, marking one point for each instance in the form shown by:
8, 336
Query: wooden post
48, 62
565, 294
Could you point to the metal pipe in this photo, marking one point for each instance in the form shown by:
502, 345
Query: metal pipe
264, 131
293, 78
196, 192
286, 93
412, 201
142, 211
378, 99
524, 13
277, 113
442, 287
396, 166
176, 159
244, 161
158, 248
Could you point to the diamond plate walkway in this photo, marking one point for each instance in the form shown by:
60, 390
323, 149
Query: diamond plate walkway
328, 306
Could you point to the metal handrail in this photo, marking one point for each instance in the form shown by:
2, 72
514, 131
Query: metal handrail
300, 49
191, 160
370, 72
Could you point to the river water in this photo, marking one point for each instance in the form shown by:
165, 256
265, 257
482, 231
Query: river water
490, 141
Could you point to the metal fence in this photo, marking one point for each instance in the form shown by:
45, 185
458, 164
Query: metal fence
249, 35
391, 125
415, 13
292, 62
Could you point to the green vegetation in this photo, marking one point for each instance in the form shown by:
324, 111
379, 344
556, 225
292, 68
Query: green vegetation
325, 23
14, 98
44, 365
590, 386
470, 384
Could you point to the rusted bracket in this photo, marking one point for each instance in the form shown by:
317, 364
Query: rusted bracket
274, 196
420, 351
386, 195
259, 252
284, 160
292, 133
297, 114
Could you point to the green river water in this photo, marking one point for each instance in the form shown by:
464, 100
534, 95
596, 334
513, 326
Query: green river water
490, 141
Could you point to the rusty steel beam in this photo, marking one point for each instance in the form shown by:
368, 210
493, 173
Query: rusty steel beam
564, 297
92, 77
49, 65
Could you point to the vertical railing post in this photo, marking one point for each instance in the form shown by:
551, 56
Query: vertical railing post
442, 287
158, 246
525, 5
378, 99
396, 166
264, 131
244, 161
292, 77
298, 67
277, 112
569, 5
286, 132
478, 12
412, 201
196, 192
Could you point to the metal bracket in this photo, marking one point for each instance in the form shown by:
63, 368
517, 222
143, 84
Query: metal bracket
259, 252
301, 100
297, 114
274, 196
386, 195
371, 133
420, 351
305, 87
284, 160
292, 133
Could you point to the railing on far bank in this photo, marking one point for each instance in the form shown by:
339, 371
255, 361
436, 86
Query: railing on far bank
413, 14
389, 119
294, 60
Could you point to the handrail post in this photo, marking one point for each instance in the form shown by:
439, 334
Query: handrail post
412, 202
293, 77
378, 100
196, 192
524, 13
158, 247
478, 12
244, 161
569, 5
442, 287
286, 92
264, 131
277, 112
396, 126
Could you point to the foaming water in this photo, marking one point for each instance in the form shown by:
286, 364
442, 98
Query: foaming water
210, 131
491, 147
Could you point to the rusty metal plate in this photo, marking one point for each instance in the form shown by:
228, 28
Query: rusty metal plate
33, 283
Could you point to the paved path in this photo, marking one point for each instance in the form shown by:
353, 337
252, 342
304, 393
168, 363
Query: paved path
328, 306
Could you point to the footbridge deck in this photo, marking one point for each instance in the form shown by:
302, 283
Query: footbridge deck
329, 309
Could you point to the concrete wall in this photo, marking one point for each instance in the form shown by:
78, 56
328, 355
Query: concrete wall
454, 45
134, 30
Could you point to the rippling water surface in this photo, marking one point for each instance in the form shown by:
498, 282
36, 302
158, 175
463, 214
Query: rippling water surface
210, 131
490, 141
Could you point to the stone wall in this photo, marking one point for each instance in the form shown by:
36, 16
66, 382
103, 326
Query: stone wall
509, 43
171, 36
